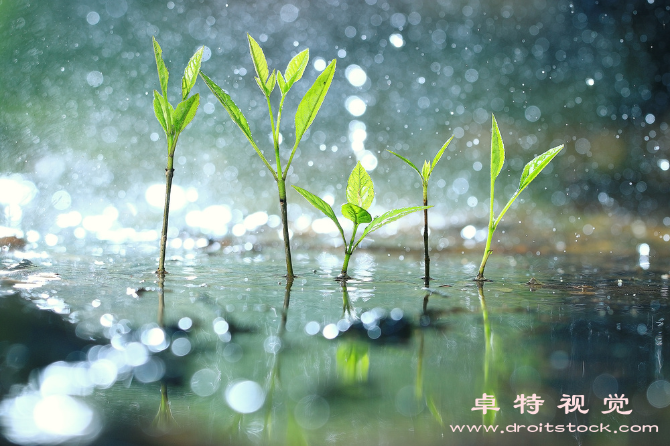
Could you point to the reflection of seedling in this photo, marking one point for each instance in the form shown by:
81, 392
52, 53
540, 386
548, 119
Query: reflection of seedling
173, 122
360, 193
307, 110
353, 362
532, 170
490, 387
424, 173
163, 420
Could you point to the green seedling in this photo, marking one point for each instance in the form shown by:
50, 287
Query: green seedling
305, 114
360, 193
530, 172
425, 173
174, 121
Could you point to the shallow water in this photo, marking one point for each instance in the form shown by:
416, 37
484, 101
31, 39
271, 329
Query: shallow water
94, 349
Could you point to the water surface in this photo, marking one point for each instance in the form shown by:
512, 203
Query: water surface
94, 349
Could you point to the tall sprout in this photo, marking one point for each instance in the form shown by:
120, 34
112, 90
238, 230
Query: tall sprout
530, 172
173, 121
425, 173
307, 110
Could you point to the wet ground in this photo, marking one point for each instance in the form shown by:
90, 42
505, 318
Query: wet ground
94, 349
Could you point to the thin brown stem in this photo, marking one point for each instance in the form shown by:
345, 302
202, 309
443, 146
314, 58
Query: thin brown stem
487, 253
287, 243
426, 277
169, 173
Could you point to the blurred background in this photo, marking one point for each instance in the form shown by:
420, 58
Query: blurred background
82, 156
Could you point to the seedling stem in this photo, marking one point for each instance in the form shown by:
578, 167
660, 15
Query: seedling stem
425, 173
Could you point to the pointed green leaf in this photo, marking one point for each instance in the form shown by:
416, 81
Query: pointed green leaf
258, 58
185, 113
360, 190
162, 70
439, 154
272, 80
311, 102
237, 117
232, 109
167, 112
532, 170
497, 150
260, 84
408, 162
389, 217
282, 83
320, 205
191, 73
296, 67
158, 111
534, 167
356, 214
425, 170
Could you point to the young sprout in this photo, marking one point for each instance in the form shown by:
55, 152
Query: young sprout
425, 173
532, 170
360, 193
173, 122
307, 110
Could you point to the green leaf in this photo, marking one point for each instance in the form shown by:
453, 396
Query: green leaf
167, 112
158, 111
260, 63
260, 84
191, 73
497, 150
272, 80
160, 64
360, 190
408, 162
282, 83
232, 109
388, 217
439, 154
425, 171
237, 117
534, 167
320, 205
185, 113
356, 214
532, 170
296, 67
311, 102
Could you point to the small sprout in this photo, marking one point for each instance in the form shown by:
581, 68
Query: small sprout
530, 172
425, 173
307, 110
360, 193
173, 121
